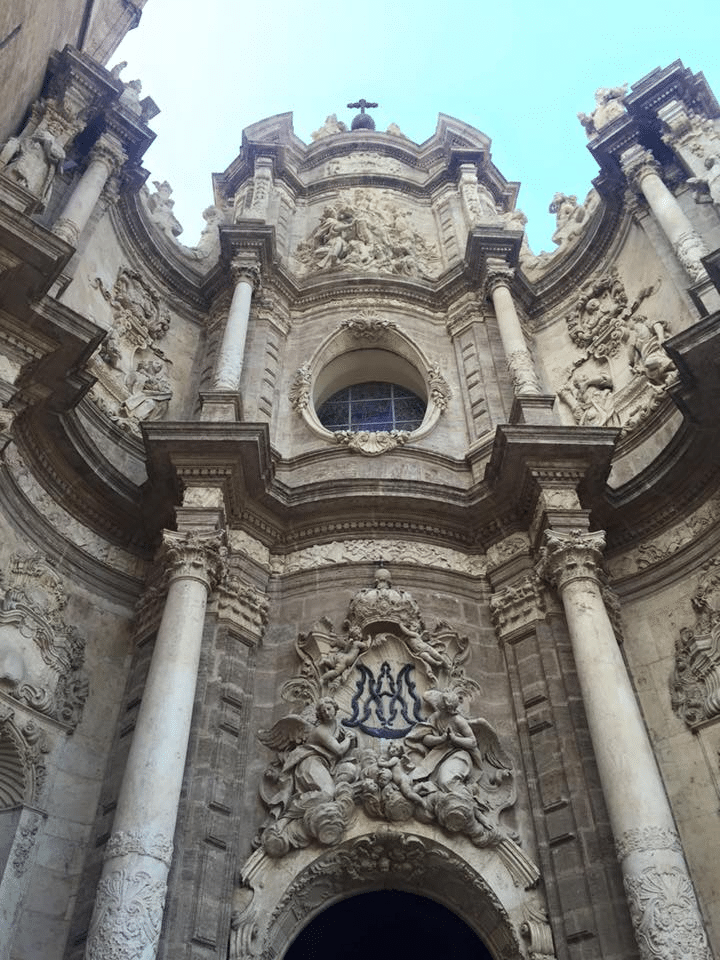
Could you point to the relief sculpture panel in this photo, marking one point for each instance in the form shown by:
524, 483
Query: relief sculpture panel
379, 726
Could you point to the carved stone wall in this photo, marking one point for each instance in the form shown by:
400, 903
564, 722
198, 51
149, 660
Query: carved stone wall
576, 848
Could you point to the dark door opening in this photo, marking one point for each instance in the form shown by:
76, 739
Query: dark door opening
387, 925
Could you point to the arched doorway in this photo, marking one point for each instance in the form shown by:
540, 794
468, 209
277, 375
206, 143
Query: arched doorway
387, 925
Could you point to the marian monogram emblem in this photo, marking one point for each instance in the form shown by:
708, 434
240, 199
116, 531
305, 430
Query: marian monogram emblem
378, 728
385, 707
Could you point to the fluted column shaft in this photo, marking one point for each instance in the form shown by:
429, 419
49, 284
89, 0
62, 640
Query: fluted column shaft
229, 363
654, 870
131, 894
107, 156
518, 357
640, 167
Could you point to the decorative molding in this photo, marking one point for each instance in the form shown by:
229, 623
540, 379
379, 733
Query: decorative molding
368, 325
695, 684
299, 394
517, 607
154, 845
127, 917
536, 930
241, 604
438, 390
22, 767
372, 442
24, 843
397, 858
412, 552
41, 656
646, 839
665, 915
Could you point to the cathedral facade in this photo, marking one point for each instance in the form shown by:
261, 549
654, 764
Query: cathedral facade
357, 548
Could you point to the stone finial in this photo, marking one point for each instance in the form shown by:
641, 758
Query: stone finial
362, 121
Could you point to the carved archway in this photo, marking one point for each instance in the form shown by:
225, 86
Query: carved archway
372, 862
386, 924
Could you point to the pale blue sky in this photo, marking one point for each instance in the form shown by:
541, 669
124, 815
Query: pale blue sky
519, 71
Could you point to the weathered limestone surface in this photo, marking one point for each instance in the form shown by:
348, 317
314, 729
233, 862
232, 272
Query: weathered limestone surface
369, 661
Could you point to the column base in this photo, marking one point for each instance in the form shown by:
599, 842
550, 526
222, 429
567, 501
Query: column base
534, 408
220, 405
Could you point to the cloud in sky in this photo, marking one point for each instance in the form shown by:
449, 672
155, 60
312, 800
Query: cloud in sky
519, 71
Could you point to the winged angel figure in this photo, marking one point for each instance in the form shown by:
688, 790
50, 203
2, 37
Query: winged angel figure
307, 789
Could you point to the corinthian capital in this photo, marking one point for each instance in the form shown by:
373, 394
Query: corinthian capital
498, 274
245, 266
572, 556
638, 163
108, 150
195, 557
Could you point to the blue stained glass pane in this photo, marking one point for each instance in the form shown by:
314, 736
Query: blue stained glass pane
372, 406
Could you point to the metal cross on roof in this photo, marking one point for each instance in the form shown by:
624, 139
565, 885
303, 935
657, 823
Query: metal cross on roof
362, 120
362, 105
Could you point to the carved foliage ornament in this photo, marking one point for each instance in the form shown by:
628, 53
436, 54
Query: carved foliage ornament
571, 556
22, 765
403, 859
695, 684
127, 917
381, 729
41, 656
195, 556
665, 916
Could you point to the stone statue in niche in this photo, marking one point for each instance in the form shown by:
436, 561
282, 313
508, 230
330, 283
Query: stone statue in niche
41, 656
608, 107
132, 372
380, 729
33, 162
367, 231
695, 683
622, 371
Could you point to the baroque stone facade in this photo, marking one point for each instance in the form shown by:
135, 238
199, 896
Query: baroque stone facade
357, 547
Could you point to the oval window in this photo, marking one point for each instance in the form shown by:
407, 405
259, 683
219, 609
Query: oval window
372, 407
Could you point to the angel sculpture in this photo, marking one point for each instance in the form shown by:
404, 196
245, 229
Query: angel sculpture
463, 761
335, 665
307, 789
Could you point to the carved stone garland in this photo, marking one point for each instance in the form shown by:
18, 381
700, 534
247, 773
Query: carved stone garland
41, 656
695, 684
380, 730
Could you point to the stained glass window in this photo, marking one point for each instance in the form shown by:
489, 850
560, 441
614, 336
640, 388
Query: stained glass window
374, 407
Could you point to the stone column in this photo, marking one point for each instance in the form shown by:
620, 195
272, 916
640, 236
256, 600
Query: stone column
131, 893
662, 901
229, 363
519, 360
106, 158
641, 168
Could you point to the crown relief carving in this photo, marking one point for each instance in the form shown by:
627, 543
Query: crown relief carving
41, 656
379, 728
